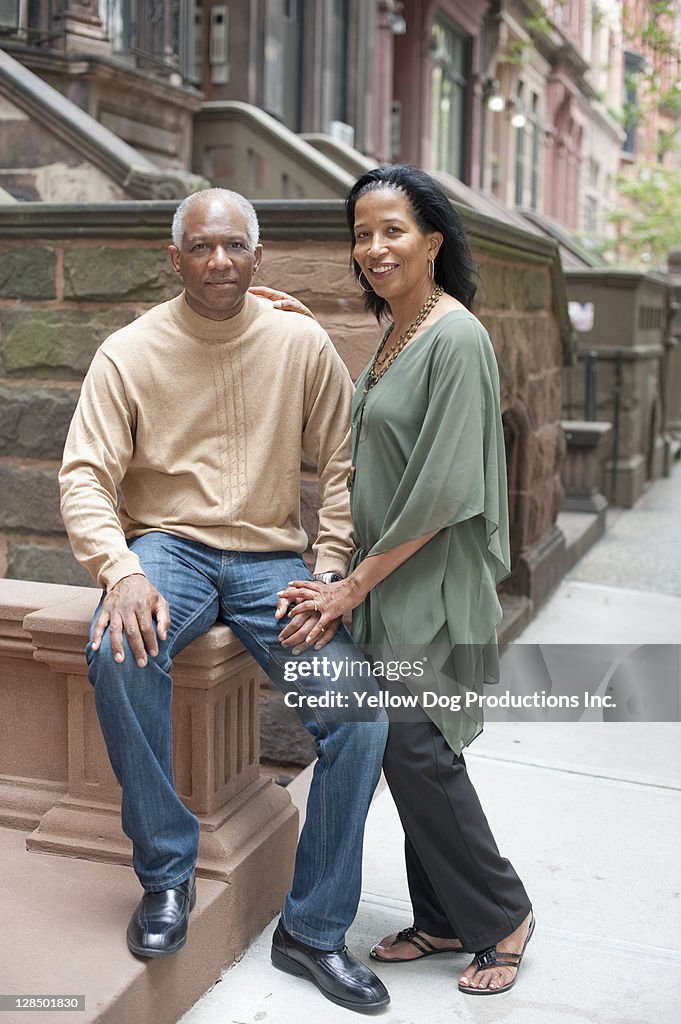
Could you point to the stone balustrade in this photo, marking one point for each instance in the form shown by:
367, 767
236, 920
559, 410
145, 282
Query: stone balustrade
631, 338
55, 776
58, 796
587, 442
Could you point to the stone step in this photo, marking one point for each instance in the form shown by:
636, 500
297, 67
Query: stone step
64, 924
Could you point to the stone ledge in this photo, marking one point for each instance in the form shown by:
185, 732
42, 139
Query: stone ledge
539, 568
18, 598
279, 219
516, 614
68, 934
581, 529
615, 277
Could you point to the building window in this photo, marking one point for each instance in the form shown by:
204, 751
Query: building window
520, 122
31, 21
12, 17
155, 34
282, 61
591, 214
634, 64
450, 53
338, 61
536, 152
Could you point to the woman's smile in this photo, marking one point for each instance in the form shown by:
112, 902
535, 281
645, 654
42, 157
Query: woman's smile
381, 269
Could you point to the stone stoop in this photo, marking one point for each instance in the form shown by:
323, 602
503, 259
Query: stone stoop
67, 888
64, 933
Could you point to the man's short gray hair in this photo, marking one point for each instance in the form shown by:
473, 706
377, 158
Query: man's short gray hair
252, 226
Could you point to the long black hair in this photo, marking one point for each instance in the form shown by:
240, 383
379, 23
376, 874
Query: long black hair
454, 267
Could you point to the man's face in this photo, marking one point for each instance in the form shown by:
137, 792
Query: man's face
215, 260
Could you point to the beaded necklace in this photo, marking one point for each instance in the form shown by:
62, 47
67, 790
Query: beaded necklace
379, 366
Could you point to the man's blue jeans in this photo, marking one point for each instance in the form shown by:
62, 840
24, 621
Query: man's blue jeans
202, 585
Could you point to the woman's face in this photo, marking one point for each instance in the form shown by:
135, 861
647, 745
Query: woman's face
390, 247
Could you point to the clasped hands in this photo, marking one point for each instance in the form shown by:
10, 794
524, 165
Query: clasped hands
320, 606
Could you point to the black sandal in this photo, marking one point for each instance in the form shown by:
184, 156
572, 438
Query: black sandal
418, 940
492, 958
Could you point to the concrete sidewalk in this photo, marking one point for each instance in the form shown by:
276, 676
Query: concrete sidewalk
599, 855
588, 812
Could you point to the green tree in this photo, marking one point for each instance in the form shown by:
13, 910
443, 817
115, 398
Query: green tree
647, 220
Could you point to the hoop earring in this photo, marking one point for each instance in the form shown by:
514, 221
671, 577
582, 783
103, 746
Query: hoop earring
431, 269
359, 282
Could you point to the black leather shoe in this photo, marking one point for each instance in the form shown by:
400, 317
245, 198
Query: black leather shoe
337, 974
159, 925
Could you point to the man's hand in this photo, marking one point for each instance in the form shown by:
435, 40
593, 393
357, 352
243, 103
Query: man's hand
294, 634
129, 607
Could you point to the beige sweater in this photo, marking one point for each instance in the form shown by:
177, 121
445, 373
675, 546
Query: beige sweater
195, 426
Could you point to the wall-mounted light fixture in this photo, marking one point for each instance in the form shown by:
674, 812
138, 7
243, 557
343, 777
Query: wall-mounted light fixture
518, 117
492, 96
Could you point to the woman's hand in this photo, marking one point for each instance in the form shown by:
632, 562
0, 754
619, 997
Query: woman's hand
282, 300
332, 600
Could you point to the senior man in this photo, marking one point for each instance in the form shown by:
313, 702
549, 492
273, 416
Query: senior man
180, 493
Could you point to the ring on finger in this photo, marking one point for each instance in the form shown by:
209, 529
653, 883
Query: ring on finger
314, 604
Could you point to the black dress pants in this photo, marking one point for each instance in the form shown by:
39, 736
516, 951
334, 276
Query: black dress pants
460, 885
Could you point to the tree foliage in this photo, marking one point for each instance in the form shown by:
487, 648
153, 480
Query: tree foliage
648, 220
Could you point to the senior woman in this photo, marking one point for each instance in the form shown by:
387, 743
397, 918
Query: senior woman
429, 506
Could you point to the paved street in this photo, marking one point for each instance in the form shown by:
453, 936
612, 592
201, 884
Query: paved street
588, 811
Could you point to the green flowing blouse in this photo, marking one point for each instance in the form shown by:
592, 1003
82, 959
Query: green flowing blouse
429, 454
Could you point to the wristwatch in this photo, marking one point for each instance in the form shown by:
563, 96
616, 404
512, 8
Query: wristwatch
327, 577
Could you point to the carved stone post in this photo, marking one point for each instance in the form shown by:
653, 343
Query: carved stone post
586, 446
215, 746
33, 722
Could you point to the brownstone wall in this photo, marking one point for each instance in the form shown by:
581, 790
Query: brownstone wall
59, 299
70, 276
61, 295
